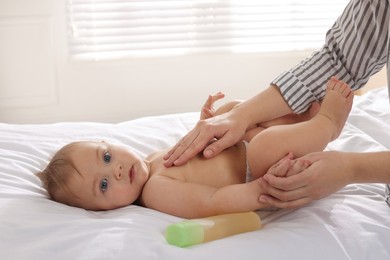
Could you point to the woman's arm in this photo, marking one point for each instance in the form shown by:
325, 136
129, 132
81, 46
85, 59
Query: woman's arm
355, 48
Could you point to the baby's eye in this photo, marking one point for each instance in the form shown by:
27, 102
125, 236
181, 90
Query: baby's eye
106, 157
104, 185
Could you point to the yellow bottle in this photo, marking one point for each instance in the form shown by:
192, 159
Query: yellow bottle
196, 231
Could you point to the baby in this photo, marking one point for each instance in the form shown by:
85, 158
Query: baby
104, 176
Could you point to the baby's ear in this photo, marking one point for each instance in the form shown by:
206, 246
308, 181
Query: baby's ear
43, 178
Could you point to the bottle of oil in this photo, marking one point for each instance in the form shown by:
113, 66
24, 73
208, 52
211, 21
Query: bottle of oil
196, 231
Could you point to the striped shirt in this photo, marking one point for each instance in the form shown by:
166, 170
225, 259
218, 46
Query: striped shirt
356, 47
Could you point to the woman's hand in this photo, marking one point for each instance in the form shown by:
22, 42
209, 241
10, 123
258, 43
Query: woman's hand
213, 135
326, 173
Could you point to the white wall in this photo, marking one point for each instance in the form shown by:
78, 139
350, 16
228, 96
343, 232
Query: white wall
40, 83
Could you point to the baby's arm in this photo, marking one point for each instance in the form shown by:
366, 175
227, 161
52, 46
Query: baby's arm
191, 200
208, 109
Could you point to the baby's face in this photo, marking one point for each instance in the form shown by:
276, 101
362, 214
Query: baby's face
111, 176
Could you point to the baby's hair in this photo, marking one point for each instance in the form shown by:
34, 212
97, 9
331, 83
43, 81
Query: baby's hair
57, 174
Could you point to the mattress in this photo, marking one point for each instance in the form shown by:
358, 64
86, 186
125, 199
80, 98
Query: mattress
353, 223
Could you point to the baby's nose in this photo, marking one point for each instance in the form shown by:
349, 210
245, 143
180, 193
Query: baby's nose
118, 171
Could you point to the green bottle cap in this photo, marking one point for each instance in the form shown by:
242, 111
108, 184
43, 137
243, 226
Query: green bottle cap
185, 233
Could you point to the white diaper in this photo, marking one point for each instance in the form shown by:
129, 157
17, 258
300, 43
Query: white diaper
249, 177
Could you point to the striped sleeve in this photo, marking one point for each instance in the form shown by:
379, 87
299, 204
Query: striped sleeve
355, 48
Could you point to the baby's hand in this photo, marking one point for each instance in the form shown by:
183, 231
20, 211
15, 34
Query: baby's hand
282, 170
288, 166
298, 165
208, 107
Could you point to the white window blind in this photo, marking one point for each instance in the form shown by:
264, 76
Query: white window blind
101, 29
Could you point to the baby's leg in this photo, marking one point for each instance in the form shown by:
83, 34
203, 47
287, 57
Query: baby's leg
284, 120
313, 135
209, 111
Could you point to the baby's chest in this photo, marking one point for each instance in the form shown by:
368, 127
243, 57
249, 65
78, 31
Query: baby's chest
227, 168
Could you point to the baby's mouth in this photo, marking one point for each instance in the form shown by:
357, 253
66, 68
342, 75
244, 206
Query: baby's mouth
132, 174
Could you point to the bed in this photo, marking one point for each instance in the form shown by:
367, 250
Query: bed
353, 223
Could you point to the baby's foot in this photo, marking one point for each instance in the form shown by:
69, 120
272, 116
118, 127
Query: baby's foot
337, 104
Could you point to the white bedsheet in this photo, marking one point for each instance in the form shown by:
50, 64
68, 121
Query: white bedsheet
353, 223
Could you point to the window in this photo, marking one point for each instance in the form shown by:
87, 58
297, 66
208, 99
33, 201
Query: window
101, 29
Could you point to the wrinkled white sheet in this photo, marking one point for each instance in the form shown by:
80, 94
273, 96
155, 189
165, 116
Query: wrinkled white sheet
353, 223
